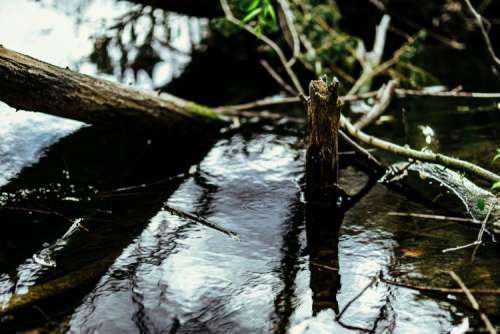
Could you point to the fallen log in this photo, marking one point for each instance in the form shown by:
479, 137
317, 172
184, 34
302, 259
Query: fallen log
30, 84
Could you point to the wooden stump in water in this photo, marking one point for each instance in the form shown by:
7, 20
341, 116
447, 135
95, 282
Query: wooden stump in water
323, 217
323, 118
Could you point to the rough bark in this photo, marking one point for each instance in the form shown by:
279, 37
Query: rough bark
29, 84
323, 117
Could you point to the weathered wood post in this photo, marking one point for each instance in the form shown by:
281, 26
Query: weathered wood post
323, 118
323, 217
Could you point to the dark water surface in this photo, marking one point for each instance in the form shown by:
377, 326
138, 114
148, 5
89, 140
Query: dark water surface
87, 245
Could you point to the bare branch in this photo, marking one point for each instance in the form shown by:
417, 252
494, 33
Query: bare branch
199, 220
369, 285
290, 18
431, 289
231, 18
375, 164
435, 217
473, 302
384, 97
480, 22
277, 78
442, 159
377, 52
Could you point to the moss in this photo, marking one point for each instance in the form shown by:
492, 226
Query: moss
202, 111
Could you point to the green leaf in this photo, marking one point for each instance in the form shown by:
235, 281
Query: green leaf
251, 15
272, 13
497, 156
258, 30
253, 5
480, 204
495, 185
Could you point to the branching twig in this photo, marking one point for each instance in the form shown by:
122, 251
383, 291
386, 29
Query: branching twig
480, 22
479, 239
375, 56
375, 164
371, 60
442, 159
384, 97
473, 302
438, 37
277, 78
483, 228
290, 18
231, 18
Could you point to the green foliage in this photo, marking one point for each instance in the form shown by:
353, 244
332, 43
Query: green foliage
336, 53
326, 49
480, 204
259, 13
405, 71
330, 51
497, 155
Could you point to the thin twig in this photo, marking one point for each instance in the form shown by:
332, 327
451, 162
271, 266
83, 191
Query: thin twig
435, 217
372, 281
231, 18
199, 220
323, 266
399, 92
431, 289
438, 37
473, 302
377, 52
278, 78
479, 238
442, 159
142, 185
483, 228
370, 61
480, 22
48, 212
271, 101
453, 93
377, 166
384, 97
290, 18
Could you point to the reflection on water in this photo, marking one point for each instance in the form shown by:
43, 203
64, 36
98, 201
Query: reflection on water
116, 40
169, 274
176, 271
186, 278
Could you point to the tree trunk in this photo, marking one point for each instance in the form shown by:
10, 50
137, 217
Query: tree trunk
29, 84
323, 117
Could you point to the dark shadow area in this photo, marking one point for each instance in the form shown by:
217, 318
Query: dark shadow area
322, 226
84, 201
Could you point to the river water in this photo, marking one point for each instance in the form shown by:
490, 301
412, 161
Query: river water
89, 244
